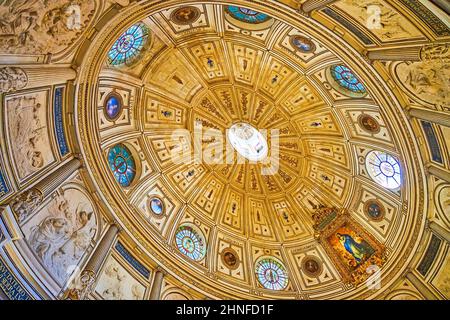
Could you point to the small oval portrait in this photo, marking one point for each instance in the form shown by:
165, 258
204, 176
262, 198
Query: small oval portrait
230, 258
374, 210
312, 266
185, 15
303, 44
156, 206
113, 106
369, 123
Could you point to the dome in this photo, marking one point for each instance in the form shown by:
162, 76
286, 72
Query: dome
233, 150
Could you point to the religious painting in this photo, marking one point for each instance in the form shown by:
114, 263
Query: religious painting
29, 138
303, 44
369, 123
185, 15
312, 266
352, 249
374, 210
113, 106
62, 232
230, 258
117, 283
350, 246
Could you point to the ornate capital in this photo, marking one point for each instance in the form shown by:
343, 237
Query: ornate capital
25, 203
12, 79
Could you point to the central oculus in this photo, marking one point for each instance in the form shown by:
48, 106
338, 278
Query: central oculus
248, 141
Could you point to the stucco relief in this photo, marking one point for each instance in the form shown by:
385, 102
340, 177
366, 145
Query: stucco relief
28, 132
12, 79
42, 26
381, 19
116, 283
61, 232
429, 79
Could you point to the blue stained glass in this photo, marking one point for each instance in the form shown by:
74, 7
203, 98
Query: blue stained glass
271, 274
384, 169
191, 242
129, 45
247, 15
347, 79
122, 164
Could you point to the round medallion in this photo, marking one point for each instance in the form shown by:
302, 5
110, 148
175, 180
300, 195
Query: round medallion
369, 123
191, 242
374, 210
156, 205
248, 141
312, 266
302, 44
113, 106
384, 169
271, 273
185, 15
230, 258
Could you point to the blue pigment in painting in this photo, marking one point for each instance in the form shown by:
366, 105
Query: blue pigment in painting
113, 107
156, 206
59, 122
433, 143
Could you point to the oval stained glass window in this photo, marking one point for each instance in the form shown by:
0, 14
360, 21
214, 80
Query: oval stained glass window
113, 106
271, 273
191, 242
129, 45
156, 206
247, 15
122, 164
384, 169
347, 79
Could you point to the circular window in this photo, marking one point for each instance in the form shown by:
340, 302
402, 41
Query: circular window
247, 15
122, 164
248, 142
129, 45
271, 273
346, 80
113, 106
156, 206
384, 169
302, 44
191, 242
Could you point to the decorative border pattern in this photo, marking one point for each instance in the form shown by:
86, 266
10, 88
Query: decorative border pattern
333, 14
136, 264
3, 186
58, 101
430, 255
433, 143
10, 286
427, 17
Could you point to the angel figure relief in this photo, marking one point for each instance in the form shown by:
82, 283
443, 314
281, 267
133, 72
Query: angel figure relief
62, 238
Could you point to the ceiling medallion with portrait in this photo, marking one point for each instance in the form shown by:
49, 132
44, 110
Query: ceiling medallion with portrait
230, 258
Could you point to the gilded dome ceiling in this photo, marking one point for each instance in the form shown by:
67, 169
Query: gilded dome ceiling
244, 149
207, 68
